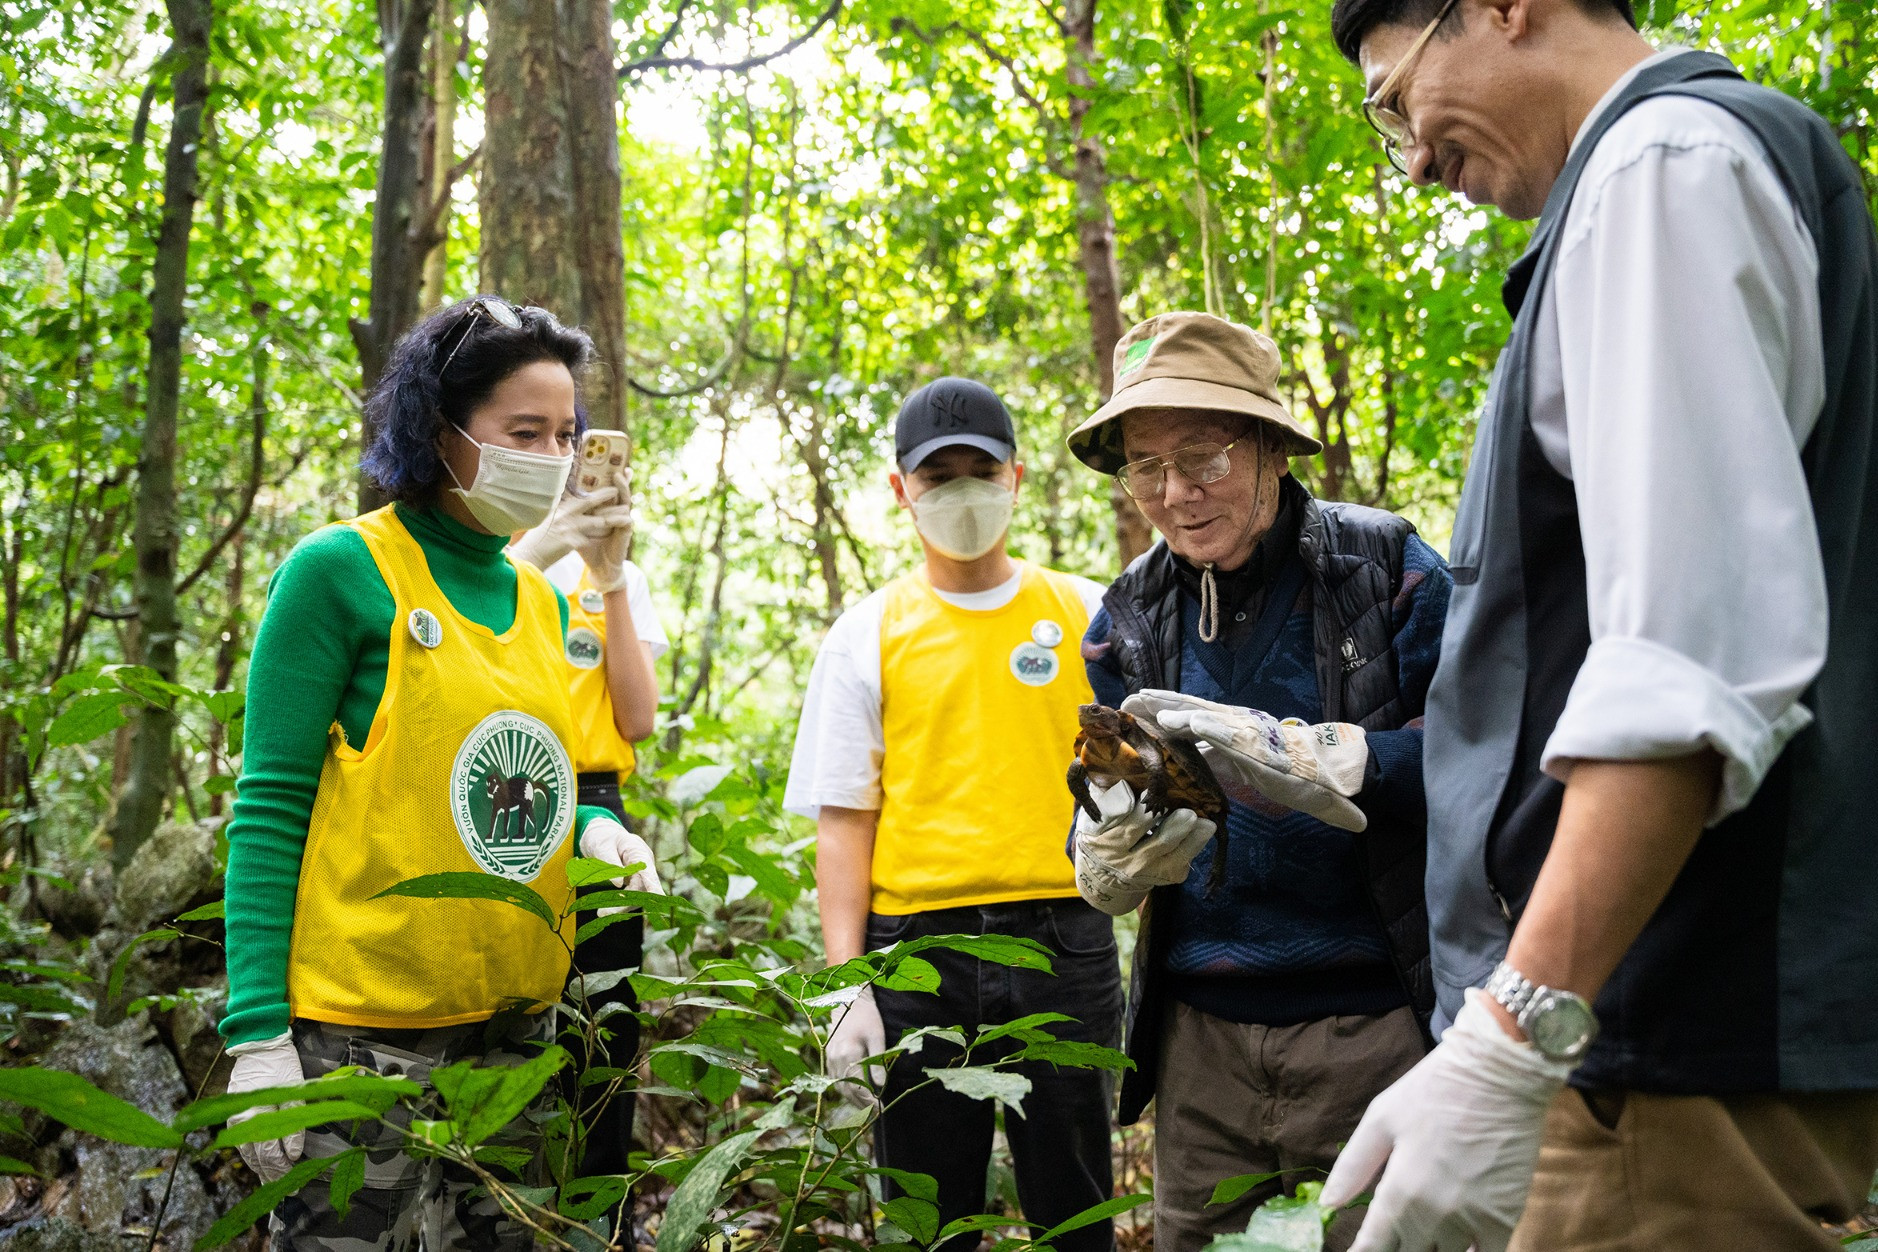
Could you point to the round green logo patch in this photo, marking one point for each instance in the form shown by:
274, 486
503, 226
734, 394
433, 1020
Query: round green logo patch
512, 794
584, 649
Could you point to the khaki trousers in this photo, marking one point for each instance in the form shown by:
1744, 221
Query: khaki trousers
1233, 1099
1631, 1172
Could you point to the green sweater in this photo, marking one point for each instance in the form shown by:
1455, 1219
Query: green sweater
320, 657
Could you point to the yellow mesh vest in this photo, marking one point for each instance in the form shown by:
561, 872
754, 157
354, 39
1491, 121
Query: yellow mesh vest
979, 715
464, 769
597, 743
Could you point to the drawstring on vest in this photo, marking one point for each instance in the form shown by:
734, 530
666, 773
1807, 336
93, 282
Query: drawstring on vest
1209, 605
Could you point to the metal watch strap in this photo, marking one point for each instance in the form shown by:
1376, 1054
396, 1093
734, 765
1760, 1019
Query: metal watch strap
1512, 989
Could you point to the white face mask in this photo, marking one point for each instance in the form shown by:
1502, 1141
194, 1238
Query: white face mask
513, 490
964, 518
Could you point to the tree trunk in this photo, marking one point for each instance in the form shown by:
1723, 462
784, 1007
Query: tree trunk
402, 227
1095, 236
441, 141
550, 192
139, 804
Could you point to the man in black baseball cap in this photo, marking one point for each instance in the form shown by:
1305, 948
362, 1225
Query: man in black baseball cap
934, 737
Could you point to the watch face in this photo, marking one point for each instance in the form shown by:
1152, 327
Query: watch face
1561, 1026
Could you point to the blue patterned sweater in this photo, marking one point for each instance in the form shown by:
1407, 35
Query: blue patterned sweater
1290, 936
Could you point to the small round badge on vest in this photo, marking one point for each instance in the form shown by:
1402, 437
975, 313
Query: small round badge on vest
584, 648
1046, 633
1033, 664
425, 628
592, 601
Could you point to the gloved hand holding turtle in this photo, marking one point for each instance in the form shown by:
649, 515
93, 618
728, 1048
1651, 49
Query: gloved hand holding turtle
1314, 769
1128, 851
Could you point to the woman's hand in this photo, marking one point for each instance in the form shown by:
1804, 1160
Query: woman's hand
607, 840
605, 547
267, 1063
576, 521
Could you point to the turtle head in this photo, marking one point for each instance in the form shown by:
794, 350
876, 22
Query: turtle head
1099, 721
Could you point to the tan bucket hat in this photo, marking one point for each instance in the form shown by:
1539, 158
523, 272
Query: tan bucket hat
1189, 361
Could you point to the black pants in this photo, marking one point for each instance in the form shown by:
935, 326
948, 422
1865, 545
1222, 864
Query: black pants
1060, 1146
619, 946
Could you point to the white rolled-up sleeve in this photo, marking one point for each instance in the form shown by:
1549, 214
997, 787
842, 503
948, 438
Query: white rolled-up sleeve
839, 739
1692, 368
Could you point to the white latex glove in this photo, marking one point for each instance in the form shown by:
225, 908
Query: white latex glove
607, 840
576, 520
859, 1033
1460, 1136
1314, 769
267, 1063
1131, 851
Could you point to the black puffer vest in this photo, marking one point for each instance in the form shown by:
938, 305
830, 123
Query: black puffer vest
1353, 556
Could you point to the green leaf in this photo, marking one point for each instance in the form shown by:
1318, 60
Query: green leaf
980, 1082
584, 1199
41, 999
981, 1222
919, 1218
998, 949
1033, 1022
483, 1100
70, 1099
262, 1202
694, 1198
348, 1177
207, 913
280, 1123
921, 1186
121, 966
1097, 1213
88, 717
585, 871
13, 1165
1229, 1189
707, 835
219, 784
911, 974
377, 1092
470, 885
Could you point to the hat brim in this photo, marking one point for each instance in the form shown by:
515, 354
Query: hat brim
1097, 443
985, 443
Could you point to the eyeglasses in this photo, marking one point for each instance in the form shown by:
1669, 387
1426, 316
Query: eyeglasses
1198, 463
501, 312
1380, 108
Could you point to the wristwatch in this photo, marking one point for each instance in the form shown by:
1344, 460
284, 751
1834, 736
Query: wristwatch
1560, 1024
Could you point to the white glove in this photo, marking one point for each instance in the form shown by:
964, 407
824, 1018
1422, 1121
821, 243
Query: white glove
1131, 851
607, 840
577, 521
1314, 769
605, 553
1460, 1135
858, 1034
267, 1063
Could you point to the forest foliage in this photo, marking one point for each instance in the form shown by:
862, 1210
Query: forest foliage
911, 188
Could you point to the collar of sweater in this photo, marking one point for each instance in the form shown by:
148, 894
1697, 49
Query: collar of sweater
432, 526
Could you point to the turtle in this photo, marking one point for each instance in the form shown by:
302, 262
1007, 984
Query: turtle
1113, 746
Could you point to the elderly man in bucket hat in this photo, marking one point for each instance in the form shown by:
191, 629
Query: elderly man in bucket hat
1294, 641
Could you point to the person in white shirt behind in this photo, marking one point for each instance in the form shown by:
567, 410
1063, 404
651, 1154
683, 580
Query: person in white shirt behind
935, 736
1647, 745
614, 641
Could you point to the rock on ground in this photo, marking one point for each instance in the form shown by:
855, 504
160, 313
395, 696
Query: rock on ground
110, 1191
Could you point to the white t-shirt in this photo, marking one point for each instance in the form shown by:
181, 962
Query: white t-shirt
565, 575
839, 741
1677, 371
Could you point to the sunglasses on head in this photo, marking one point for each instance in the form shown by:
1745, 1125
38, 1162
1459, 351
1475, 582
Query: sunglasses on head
499, 311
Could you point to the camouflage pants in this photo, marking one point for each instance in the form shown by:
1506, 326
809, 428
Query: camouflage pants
407, 1205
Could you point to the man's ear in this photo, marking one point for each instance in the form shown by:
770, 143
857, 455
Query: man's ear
1017, 479
898, 482
1510, 19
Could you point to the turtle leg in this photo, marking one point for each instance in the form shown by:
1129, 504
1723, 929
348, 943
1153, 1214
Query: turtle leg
1079, 788
1154, 795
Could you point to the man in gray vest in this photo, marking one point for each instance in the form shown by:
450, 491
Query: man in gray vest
1650, 797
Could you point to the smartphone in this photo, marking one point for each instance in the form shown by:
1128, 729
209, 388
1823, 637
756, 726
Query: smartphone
602, 457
